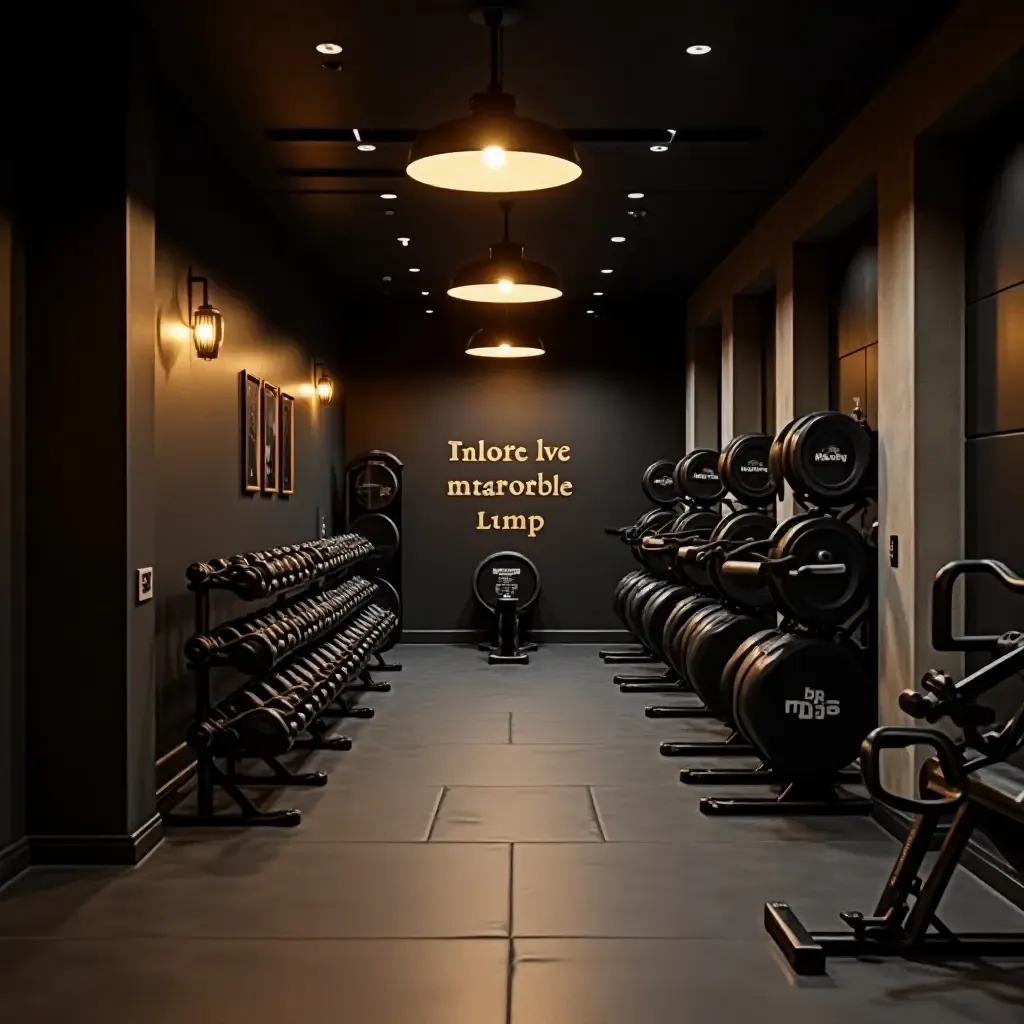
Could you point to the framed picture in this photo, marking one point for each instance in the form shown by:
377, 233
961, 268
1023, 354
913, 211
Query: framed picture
287, 447
251, 432
270, 413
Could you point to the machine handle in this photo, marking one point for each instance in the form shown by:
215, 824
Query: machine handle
823, 569
942, 602
889, 737
738, 567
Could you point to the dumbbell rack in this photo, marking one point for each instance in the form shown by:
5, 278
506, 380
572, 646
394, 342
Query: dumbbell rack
209, 775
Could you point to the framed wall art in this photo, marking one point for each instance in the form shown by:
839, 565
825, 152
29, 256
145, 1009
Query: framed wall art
287, 445
270, 412
250, 386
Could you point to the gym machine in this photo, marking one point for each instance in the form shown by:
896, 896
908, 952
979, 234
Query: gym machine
967, 784
506, 584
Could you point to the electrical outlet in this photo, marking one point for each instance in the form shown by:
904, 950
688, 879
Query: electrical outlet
144, 584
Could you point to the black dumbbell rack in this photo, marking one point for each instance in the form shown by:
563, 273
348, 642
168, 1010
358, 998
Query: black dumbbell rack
231, 575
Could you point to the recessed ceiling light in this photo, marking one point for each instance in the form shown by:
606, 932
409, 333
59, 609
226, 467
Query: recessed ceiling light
698, 50
366, 147
654, 149
430, 311
618, 238
414, 270
599, 293
386, 277
328, 48
424, 293
634, 195
389, 213
404, 241
590, 311
388, 195
607, 270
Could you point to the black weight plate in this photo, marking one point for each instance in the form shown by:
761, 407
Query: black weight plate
636, 603
380, 530
701, 525
655, 615
658, 484
777, 455
624, 590
710, 647
656, 521
747, 591
506, 574
636, 531
821, 600
376, 486
807, 705
675, 627
685, 639
388, 597
828, 458
696, 477
659, 560
743, 470
734, 668
623, 585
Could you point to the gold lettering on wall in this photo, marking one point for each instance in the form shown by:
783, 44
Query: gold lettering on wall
543, 485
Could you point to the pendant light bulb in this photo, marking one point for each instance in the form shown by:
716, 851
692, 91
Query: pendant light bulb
493, 149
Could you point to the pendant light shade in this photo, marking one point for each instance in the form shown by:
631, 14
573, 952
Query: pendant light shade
501, 343
493, 150
506, 277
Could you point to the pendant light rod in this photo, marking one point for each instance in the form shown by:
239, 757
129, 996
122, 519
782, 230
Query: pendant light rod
495, 19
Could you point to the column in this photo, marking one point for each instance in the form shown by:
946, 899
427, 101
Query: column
90, 323
920, 416
741, 367
702, 387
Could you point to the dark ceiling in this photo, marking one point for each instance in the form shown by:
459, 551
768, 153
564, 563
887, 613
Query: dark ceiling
783, 75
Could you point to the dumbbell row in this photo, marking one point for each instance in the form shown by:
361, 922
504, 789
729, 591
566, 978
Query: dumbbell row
253, 643
260, 573
295, 695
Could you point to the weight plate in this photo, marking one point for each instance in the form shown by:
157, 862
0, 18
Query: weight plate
388, 597
777, 455
807, 705
821, 599
739, 528
685, 637
655, 615
506, 574
624, 589
655, 521
636, 602
734, 668
743, 469
711, 644
380, 530
700, 526
376, 486
659, 561
658, 483
696, 477
675, 626
829, 458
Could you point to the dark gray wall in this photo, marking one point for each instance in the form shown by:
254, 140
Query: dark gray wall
612, 389
995, 379
276, 325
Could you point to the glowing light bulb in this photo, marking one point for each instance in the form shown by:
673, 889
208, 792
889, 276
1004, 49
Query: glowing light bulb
504, 344
205, 332
493, 157
505, 286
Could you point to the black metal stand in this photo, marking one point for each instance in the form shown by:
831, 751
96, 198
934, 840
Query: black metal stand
678, 711
898, 928
625, 655
797, 799
368, 684
734, 745
386, 666
667, 682
508, 650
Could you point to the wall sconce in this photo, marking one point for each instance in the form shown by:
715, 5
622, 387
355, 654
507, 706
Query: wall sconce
323, 384
206, 321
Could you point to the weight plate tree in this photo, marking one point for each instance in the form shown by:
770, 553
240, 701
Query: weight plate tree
373, 508
658, 483
506, 574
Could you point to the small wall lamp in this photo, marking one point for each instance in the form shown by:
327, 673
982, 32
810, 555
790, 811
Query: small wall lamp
206, 321
323, 384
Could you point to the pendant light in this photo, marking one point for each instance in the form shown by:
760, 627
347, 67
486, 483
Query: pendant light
506, 276
503, 343
493, 150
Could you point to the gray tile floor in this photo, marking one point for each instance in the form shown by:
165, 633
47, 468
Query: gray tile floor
501, 845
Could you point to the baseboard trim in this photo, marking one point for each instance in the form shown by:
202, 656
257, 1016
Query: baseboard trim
14, 859
547, 636
113, 850
981, 863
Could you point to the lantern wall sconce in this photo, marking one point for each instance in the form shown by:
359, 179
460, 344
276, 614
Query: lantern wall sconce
206, 321
323, 384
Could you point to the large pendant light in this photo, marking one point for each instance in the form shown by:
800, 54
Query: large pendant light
504, 343
493, 150
506, 276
